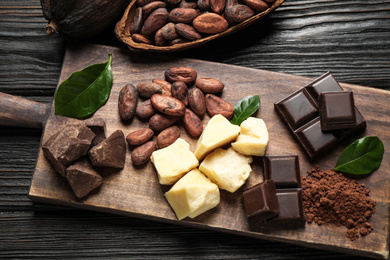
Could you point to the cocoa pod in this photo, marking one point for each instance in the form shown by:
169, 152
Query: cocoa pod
168, 105
168, 31
147, 89
127, 102
216, 105
182, 15
159, 122
217, 6
209, 85
192, 124
149, 8
257, 5
180, 91
187, 31
142, 153
140, 136
136, 22
165, 85
197, 101
159, 40
157, 19
136, 37
186, 74
145, 110
210, 23
168, 136
241, 12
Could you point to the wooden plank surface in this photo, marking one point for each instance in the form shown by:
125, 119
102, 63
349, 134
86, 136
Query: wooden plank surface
136, 192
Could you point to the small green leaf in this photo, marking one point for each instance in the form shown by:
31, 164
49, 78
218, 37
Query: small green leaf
244, 108
361, 157
85, 91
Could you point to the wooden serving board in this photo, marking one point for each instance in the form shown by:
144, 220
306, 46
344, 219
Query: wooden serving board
135, 191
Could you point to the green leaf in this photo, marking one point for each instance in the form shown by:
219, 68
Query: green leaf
244, 108
85, 91
361, 157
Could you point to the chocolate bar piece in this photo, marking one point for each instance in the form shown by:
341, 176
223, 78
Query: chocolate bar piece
337, 110
300, 112
283, 170
260, 202
290, 208
98, 127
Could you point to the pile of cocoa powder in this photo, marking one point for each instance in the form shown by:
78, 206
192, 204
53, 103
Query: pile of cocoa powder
330, 197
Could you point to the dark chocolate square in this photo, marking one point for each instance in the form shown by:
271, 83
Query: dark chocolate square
260, 202
283, 170
337, 110
325, 82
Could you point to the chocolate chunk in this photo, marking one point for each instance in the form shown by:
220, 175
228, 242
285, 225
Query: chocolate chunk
283, 170
111, 152
83, 178
98, 127
260, 202
337, 110
290, 208
67, 145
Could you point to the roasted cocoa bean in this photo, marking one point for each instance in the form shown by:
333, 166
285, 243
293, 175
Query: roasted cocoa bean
165, 85
145, 110
140, 136
177, 41
182, 15
216, 105
136, 37
149, 8
168, 31
209, 85
257, 5
157, 19
187, 31
148, 89
173, 2
159, 122
136, 22
127, 102
192, 124
180, 91
228, 14
204, 5
217, 6
186, 74
142, 153
159, 40
210, 23
188, 4
241, 13
168, 136
168, 105
144, 2
197, 101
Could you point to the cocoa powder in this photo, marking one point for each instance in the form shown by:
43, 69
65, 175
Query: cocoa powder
331, 198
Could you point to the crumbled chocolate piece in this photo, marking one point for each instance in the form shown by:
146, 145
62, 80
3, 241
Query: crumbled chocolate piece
98, 127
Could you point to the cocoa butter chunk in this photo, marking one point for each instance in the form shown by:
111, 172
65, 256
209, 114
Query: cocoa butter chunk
67, 145
83, 178
111, 152
98, 127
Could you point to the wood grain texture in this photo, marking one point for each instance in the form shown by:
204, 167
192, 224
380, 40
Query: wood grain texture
303, 37
135, 191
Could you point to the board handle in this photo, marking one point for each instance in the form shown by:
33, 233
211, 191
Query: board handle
20, 112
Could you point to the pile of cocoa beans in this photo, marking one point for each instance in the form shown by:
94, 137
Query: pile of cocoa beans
181, 98
169, 22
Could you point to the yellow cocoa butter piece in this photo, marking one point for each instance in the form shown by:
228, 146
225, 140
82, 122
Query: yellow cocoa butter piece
173, 161
253, 138
193, 195
218, 132
227, 168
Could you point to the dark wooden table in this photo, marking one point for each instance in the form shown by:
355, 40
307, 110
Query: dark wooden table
303, 37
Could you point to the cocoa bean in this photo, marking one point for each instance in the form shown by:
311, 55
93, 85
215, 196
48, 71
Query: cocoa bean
216, 105
142, 153
148, 89
210, 23
217, 6
228, 14
168, 31
165, 85
180, 91
182, 15
168, 136
241, 13
192, 124
159, 40
209, 85
136, 22
204, 5
177, 41
197, 101
144, 2
187, 31
159, 122
168, 105
173, 2
145, 110
127, 102
140, 136
157, 19
149, 8
136, 37
186, 74
257, 5
188, 4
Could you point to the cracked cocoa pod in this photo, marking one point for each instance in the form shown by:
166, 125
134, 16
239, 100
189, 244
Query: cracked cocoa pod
81, 19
